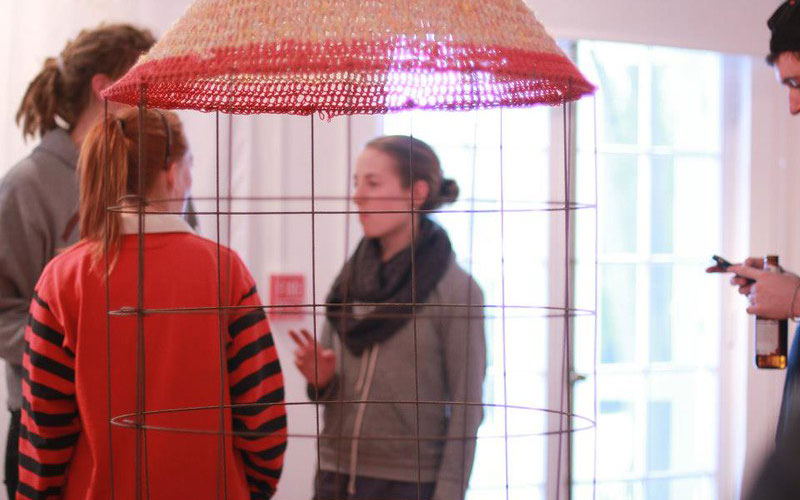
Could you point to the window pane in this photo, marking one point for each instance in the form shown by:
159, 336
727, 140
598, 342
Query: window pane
693, 399
695, 487
616, 444
695, 332
658, 489
684, 109
617, 313
613, 68
697, 185
661, 312
662, 193
606, 491
659, 431
618, 201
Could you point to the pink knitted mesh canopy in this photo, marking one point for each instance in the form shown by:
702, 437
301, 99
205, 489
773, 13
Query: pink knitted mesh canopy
337, 57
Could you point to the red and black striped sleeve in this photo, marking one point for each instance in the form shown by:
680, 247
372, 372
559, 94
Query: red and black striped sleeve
50, 425
256, 385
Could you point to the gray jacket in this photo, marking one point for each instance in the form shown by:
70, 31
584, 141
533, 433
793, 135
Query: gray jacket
450, 363
38, 217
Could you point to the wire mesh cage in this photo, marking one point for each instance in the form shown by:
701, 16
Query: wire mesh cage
502, 321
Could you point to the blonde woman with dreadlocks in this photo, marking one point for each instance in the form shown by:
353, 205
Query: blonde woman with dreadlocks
39, 195
81, 363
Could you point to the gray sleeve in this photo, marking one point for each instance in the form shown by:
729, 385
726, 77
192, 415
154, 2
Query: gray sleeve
329, 392
23, 255
464, 347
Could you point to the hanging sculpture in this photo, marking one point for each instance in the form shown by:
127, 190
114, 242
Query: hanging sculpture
345, 57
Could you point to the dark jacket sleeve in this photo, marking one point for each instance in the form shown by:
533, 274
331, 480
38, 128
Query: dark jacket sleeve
778, 478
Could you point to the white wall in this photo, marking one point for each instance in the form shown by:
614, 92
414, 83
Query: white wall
32, 30
734, 26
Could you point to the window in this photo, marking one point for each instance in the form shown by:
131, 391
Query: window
659, 164
657, 123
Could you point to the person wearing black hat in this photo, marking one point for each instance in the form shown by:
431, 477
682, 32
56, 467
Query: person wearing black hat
776, 295
784, 49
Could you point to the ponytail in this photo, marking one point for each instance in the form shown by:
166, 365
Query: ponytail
109, 170
103, 170
37, 112
63, 88
448, 193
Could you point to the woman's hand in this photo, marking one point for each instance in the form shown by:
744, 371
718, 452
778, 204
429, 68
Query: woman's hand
772, 295
317, 364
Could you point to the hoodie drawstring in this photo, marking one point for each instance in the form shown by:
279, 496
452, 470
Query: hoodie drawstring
369, 360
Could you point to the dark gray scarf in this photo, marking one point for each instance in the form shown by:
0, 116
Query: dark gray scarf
364, 279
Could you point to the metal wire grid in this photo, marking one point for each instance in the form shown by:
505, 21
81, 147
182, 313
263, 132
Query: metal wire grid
137, 420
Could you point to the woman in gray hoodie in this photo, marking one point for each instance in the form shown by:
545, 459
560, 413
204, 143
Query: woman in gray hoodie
400, 361
39, 195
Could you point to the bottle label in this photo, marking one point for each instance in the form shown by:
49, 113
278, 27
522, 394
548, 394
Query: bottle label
767, 337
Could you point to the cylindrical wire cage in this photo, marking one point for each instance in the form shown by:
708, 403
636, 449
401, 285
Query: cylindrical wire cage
549, 316
558, 421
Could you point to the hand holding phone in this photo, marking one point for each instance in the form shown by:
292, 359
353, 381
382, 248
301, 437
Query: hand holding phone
722, 266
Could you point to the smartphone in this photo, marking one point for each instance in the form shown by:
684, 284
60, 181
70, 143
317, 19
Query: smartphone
721, 262
724, 264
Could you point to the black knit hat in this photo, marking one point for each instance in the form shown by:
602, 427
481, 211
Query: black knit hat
785, 27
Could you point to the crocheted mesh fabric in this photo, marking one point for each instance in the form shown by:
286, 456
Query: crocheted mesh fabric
338, 57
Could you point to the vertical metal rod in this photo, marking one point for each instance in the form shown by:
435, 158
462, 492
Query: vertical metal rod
503, 303
568, 293
565, 317
229, 200
109, 214
140, 339
346, 295
228, 230
565, 358
470, 289
594, 336
314, 310
222, 474
229, 187
413, 213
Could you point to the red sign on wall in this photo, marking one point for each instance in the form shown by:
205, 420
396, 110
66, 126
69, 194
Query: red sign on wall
287, 291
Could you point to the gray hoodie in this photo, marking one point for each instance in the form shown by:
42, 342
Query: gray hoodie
450, 365
38, 217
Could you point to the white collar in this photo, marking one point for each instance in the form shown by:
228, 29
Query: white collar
154, 222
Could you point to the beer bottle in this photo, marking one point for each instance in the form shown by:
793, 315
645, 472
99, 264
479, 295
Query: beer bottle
771, 334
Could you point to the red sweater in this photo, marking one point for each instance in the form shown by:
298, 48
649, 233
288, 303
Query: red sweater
71, 387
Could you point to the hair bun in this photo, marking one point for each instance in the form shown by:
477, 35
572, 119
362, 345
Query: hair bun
448, 191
